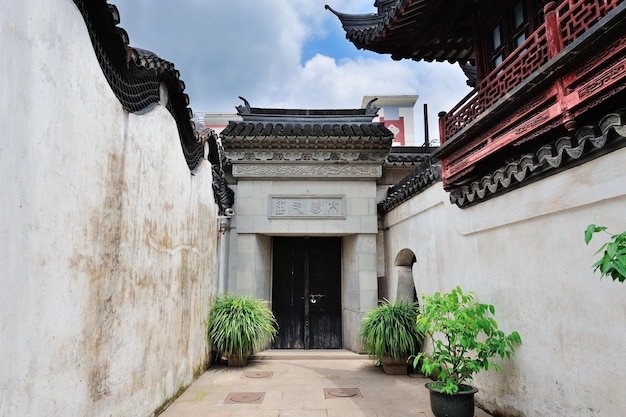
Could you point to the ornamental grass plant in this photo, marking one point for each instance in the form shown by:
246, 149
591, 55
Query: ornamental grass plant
389, 330
240, 324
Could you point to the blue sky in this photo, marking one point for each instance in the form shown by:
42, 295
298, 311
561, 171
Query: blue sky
280, 53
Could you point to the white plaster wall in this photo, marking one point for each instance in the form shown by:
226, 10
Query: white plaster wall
524, 252
108, 242
359, 285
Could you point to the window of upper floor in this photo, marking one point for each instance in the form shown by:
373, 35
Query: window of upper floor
510, 27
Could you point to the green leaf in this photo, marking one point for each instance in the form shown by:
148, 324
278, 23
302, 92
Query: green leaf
591, 229
613, 260
620, 268
589, 233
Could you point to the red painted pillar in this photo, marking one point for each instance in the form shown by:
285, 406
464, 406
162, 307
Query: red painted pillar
555, 45
553, 34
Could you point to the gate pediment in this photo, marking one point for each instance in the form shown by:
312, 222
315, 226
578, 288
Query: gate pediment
300, 143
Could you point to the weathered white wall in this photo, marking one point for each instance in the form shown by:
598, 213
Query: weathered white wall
524, 252
107, 241
358, 284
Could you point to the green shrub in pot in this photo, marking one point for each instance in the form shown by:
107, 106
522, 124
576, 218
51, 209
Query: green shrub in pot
465, 340
388, 333
240, 324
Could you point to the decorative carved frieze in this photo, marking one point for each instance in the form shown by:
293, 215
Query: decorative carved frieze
279, 155
264, 156
349, 156
603, 79
321, 156
535, 121
304, 170
292, 156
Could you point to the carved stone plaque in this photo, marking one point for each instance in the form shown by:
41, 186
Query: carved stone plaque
327, 207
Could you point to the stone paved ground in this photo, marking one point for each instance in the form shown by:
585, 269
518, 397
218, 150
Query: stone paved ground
293, 384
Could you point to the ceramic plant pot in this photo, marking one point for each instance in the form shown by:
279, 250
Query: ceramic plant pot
393, 367
460, 404
233, 360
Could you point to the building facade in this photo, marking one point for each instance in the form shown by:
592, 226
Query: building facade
397, 113
122, 231
305, 228
529, 158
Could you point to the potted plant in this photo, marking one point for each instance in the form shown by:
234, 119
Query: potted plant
239, 324
389, 334
465, 340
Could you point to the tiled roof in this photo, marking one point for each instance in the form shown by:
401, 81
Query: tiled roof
283, 131
587, 143
414, 183
307, 116
408, 156
431, 30
135, 75
263, 128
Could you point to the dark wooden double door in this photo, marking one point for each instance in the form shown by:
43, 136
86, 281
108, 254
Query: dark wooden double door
306, 292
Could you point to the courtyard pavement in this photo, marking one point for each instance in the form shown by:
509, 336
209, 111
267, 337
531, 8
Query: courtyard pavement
296, 383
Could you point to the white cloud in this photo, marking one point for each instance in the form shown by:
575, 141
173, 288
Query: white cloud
254, 49
324, 82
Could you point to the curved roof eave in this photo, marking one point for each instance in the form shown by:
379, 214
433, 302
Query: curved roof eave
354, 21
387, 33
135, 75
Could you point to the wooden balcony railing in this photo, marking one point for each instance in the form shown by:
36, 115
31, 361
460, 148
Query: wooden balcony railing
564, 24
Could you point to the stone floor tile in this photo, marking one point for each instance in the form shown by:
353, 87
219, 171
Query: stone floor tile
252, 413
302, 413
296, 389
194, 409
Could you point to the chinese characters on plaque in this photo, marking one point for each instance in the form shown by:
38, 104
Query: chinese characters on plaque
324, 207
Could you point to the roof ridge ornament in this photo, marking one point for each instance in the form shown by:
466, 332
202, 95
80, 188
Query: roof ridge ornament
370, 109
245, 109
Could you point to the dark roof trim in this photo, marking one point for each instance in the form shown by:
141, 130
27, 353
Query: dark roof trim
224, 195
267, 128
369, 21
411, 185
290, 135
405, 29
403, 156
135, 75
589, 142
252, 114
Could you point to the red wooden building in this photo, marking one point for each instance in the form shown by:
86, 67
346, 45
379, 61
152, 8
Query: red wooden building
548, 78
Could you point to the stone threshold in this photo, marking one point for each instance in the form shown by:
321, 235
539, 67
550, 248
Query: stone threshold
312, 354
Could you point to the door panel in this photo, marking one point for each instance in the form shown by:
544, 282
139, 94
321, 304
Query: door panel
325, 281
306, 295
287, 293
